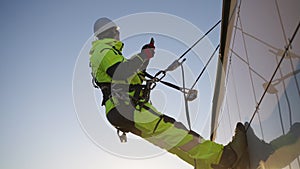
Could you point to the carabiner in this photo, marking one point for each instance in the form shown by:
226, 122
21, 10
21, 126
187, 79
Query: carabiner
157, 78
123, 137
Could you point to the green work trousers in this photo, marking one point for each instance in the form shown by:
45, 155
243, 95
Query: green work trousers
165, 132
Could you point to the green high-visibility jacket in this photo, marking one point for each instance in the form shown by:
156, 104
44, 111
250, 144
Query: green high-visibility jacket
106, 54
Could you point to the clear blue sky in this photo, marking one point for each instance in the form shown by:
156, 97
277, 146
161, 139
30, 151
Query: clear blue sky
40, 42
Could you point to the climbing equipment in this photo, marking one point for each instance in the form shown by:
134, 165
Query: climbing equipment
176, 63
189, 93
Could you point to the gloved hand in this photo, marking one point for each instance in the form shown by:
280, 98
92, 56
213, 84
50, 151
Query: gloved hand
147, 51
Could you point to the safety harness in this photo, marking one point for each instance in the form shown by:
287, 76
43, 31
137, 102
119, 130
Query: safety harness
121, 91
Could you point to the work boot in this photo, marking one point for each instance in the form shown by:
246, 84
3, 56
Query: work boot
233, 151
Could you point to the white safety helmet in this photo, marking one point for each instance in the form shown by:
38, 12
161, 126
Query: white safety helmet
103, 24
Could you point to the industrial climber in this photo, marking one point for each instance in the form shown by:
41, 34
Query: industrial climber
126, 99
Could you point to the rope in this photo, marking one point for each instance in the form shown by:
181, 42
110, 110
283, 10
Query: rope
162, 73
250, 75
186, 104
183, 79
205, 67
176, 64
200, 39
286, 96
272, 77
292, 66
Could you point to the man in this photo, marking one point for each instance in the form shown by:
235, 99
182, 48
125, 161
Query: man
126, 100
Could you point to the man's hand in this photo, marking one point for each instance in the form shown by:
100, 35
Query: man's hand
148, 50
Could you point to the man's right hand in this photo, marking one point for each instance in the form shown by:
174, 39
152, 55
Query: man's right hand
148, 50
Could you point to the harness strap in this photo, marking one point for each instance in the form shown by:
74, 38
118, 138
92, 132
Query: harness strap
141, 92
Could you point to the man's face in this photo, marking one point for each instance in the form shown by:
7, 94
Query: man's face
116, 33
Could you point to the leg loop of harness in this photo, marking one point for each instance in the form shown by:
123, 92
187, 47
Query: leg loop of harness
141, 95
122, 93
